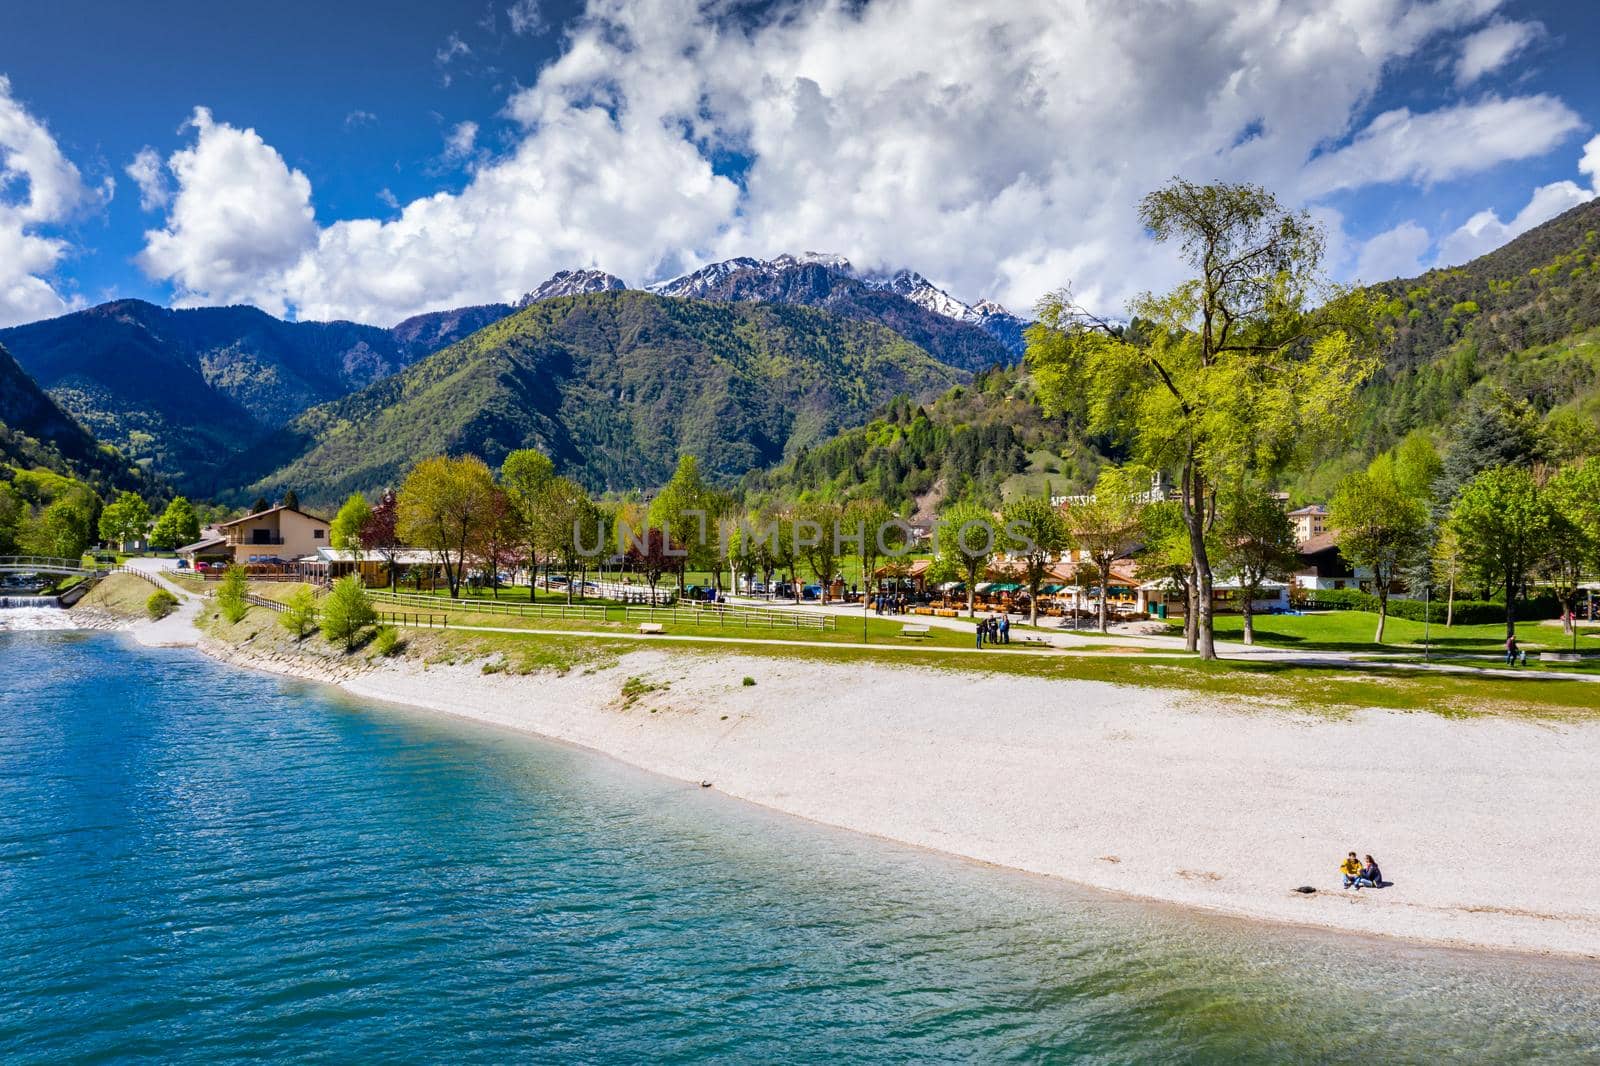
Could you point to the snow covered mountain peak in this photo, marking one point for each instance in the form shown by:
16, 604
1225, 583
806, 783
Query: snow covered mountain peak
573, 283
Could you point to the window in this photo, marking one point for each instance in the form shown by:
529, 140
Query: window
316, 534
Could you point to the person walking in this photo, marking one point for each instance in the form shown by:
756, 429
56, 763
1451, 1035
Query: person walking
981, 628
1511, 650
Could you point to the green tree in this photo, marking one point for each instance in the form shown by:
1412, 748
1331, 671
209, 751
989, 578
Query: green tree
1166, 557
291, 499
1229, 374
1494, 430
965, 539
567, 518
124, 519
1504, 524
1573, 550
1380, 523
344, 532
261, 504
525, 473
1448, 566
1107, 527
874, 530
299, 615
443, 504
13, 509
178, 525
817, 540
1036, 532
1258, 546
347, 611
686, 509
231, 594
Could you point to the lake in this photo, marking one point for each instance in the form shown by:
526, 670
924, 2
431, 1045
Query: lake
204, 864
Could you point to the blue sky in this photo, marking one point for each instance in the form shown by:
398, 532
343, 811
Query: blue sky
370, 160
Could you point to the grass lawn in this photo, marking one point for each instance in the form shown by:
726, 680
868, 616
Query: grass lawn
1353, 631
122, 595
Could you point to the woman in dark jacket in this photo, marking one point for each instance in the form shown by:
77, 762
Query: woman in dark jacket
1371, 876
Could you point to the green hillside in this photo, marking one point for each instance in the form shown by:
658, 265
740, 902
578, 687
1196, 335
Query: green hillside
614, 386
989, 439
1524, 318
35, 433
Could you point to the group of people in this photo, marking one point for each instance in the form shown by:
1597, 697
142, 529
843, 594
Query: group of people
889, 602
1359, 875
994, 629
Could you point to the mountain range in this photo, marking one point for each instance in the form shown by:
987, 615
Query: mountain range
613, 385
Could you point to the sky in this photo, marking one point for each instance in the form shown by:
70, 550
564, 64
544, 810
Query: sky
370, 161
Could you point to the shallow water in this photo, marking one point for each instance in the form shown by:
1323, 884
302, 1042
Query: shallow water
204, 864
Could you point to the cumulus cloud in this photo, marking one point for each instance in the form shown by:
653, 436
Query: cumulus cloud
239, 219
150, 175
1493, 47
1002, 151
38, 187
1394, 253
1486, 231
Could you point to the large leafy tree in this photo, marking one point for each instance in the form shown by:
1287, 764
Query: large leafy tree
1036, 532
1107, 527
966, 537
688, 509
443, 505
1258, 545
1226, 375
177, 525
817, 531
344, 532
525, 474
1381, 524
876, 534
125, 518
1573, 550
1504, 524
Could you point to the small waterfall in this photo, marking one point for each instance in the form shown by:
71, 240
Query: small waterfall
28, 601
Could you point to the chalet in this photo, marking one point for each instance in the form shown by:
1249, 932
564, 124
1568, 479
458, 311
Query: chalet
1323, 567
1309, 522
278, 534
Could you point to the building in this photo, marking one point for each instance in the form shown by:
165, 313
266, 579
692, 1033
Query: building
276, 535
1309, 522
1322, 566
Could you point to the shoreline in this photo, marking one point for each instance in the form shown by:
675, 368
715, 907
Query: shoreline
1133, 791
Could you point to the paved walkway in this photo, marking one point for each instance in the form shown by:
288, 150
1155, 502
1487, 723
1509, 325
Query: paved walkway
176, 630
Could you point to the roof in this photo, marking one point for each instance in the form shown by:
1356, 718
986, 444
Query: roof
405, 556
273, 510
1318, 544
201, 545
1309, 509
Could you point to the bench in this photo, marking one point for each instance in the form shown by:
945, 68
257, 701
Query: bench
649, 628
915, 631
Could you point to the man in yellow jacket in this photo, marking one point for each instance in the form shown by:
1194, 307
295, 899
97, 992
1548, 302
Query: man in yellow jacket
1351, 868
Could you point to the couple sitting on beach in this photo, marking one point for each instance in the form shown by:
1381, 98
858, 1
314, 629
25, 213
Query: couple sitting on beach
1358, 875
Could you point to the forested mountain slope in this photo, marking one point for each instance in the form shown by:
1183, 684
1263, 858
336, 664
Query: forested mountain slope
614, 386
35, 432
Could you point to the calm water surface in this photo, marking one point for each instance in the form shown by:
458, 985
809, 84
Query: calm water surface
202, 864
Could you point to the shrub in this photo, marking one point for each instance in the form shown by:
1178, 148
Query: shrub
300, 614
230, 596
387, 642
749, 681
347, 611
160, 604
1542, 604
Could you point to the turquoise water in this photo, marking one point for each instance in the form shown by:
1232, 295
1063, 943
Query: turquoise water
203, 864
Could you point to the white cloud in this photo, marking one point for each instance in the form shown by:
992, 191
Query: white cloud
460, 142
1394, 253
1484, 231
239, 219
1436, 146
1590, 163
1000, 150
359, 118
525, 17
38, 187
1493, 47
149, 173
453, 48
